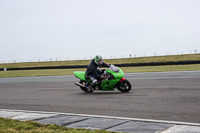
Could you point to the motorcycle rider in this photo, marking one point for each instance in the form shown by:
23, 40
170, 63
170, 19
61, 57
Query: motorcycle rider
92, 71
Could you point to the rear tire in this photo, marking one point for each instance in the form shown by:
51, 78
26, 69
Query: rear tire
124, 86
83, 88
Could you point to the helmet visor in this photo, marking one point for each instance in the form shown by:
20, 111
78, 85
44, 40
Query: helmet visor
100, 62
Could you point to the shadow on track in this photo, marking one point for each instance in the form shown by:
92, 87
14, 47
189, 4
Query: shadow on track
104, 93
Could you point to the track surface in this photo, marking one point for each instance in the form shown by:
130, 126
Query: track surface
172, 96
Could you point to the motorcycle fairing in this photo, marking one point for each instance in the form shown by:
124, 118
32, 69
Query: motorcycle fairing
117, 75
80, 75
109, 84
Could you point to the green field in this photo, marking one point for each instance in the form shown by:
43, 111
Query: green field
185, 57
16, 126
54, 72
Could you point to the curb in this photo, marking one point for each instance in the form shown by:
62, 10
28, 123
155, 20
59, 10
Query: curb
110, 123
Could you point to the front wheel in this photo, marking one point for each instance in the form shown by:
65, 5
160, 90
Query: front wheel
83, 88
124, 86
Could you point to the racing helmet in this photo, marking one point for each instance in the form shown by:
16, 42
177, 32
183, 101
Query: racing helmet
98, 60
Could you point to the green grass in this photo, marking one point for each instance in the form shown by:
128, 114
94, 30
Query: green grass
54, 72
161, 68
185, 57
45, 72
16, 126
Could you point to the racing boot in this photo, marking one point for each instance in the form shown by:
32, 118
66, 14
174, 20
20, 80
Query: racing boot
93, 84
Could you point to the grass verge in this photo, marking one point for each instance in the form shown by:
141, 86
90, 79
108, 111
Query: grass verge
16, 126
56, 72
186, 57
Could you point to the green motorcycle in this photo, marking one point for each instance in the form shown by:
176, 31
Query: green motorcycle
114, 79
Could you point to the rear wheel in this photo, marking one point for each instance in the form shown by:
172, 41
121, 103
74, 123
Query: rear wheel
124, 86
84, 88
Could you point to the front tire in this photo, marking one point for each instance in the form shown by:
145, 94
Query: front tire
124, 86
83, 88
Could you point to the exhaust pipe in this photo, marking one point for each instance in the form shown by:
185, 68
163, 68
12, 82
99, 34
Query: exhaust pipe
79, 84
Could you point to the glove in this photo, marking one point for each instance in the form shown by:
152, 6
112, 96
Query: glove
105, 72
103, 76
99, 70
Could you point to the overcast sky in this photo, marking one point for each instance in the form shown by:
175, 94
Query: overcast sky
77, 29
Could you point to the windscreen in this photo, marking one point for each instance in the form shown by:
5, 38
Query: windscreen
113, 68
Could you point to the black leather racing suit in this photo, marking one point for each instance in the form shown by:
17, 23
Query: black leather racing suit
91, 71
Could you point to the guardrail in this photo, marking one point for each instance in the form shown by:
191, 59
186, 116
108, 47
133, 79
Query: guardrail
119, 65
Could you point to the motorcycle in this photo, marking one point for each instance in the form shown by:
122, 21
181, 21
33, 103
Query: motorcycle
113, 79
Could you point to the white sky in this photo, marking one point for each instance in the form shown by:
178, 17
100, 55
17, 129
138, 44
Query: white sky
77, 29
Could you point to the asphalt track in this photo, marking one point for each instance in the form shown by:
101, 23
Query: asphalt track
172, 96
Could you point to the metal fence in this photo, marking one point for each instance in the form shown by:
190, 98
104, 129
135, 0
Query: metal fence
90, 57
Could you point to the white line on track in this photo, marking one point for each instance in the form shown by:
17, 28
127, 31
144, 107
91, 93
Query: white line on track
109, 117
